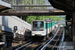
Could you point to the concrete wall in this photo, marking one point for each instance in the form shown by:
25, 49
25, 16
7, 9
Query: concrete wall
7, 23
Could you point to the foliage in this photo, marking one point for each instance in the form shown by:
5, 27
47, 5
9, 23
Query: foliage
29, 19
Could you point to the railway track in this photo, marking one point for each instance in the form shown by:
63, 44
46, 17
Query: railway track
21, 45
52, 40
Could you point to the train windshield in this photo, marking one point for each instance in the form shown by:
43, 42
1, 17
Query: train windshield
38, 25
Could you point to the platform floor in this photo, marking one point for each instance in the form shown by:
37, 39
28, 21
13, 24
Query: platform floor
68, 46
73, 38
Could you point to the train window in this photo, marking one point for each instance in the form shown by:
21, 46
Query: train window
34, 24
38, 26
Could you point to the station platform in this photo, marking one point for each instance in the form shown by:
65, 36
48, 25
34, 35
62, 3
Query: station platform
68, 46
4, 5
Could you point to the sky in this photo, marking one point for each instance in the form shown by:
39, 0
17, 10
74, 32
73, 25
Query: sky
47, 3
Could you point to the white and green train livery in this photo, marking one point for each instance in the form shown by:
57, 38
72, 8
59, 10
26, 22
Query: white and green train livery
42, 28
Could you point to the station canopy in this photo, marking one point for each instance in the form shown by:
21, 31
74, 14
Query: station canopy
66, 5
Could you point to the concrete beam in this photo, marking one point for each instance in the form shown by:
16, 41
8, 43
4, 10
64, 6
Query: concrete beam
31, 5
33, 13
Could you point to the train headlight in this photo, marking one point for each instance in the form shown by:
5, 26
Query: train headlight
43, 34
33, 34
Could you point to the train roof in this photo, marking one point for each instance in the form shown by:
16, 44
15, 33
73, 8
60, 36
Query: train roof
44, 21
38, 20
49, 20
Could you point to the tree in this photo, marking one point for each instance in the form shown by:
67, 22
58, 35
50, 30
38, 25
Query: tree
29, 19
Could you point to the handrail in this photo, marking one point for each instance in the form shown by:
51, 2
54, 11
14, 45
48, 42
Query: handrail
62, 39
51, 39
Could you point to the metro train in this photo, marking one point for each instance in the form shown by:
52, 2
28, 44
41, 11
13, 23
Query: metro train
42, 28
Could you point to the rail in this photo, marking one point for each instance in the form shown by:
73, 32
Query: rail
30, 45
44, 44
55, 29
57, 40
46, 41
23, 46
51, 39
62, 39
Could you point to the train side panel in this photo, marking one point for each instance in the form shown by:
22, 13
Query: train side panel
45, 29
53, 25
48, 27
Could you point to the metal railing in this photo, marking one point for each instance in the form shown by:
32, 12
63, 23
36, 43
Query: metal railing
29, 4
26, 2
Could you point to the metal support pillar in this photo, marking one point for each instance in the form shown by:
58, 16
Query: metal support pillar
68, 28
68, 17
73, 26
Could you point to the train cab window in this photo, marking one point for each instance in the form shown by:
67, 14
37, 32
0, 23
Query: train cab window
34, 24
38, 25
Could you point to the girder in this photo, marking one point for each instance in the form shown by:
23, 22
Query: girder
33, 13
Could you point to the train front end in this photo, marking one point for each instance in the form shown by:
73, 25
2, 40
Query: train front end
38, 28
